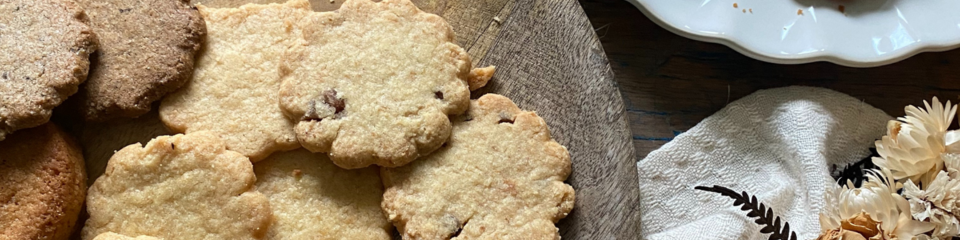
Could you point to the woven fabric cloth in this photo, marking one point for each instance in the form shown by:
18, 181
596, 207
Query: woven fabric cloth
776, 144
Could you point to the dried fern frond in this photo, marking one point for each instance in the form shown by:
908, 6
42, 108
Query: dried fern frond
755, 209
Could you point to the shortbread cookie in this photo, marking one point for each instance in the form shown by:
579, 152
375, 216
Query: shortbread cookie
146, 51
313, 199
114, 236
45, 46
178, 187
42, 184
234, 88
374, 83
499, 177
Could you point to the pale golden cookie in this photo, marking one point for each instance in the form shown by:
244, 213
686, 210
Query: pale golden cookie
46, 45
42, 184
234, 87
313, 199
114, 236
374, 83
146, 51
499, 177
178, 187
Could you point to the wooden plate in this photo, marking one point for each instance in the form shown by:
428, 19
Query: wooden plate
548, 60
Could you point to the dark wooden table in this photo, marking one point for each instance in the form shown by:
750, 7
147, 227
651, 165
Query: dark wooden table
669, 83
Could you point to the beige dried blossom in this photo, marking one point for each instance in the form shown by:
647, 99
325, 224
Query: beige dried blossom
936, 204
914, 143
873, 209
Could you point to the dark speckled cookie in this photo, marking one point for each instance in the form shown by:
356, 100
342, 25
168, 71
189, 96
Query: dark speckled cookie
46, 45
147, 50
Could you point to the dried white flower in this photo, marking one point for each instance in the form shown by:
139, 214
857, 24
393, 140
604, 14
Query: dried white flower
874, 203
913, 145
936, 204
951, 164
927, 237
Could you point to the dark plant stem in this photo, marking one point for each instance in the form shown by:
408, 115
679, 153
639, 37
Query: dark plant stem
757, 210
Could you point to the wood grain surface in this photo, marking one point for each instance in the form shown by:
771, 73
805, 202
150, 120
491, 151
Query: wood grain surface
548, 60
670, 83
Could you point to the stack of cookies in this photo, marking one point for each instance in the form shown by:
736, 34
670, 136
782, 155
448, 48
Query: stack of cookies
293, 124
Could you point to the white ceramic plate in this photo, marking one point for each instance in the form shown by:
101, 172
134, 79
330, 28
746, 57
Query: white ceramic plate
867, 33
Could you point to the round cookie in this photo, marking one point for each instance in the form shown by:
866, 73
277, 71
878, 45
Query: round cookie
178, 187
374, 83
313, 199
146, 51
42, 184
499, 177
46, 46
234, 88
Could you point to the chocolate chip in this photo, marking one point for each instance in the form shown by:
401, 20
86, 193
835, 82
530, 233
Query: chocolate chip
330, 98
438, 94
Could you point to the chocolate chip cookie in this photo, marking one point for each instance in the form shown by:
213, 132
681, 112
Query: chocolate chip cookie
374, 83
499, 177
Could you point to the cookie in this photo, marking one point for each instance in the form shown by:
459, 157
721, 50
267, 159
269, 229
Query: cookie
42, 184
499, 177
313, 199
146, 51
374, 83
178, 187
114, 236
46, 47
234, 88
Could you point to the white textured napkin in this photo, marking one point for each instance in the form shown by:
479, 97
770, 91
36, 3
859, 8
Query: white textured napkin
776, 144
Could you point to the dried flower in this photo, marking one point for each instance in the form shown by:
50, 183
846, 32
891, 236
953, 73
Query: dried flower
913, 144
874, 211
936, 204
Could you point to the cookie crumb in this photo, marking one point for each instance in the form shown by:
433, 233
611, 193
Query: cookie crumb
751, 10
497, 19
842, 9
332, 1
735, 5
744, 10
480, 76
296, 172
799, 12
